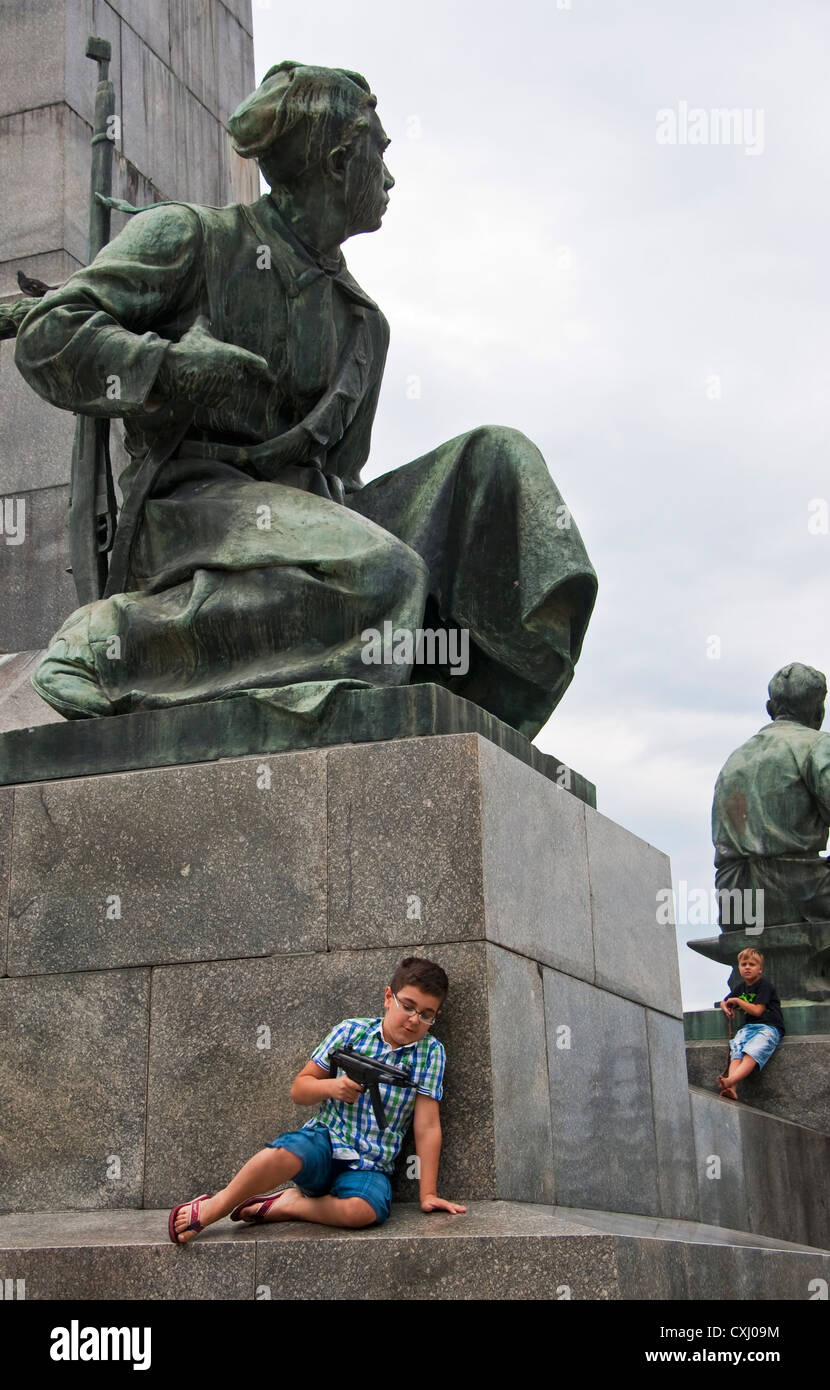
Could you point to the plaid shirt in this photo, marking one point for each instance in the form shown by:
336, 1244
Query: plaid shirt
353, 1128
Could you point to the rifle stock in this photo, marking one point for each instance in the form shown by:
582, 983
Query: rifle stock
92, 505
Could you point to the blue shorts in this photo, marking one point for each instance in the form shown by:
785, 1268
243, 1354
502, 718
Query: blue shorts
322, 1173
755, 1040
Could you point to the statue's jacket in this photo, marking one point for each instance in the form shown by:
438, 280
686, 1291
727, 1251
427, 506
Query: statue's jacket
248, 573
770, 816
96, 344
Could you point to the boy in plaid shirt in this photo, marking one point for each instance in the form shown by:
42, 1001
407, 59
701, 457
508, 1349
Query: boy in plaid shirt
340, 1160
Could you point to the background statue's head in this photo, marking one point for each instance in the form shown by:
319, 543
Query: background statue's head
798, 692
316, 135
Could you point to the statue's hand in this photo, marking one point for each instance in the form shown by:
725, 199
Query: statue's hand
203, 370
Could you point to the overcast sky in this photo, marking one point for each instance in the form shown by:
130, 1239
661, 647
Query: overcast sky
653, 315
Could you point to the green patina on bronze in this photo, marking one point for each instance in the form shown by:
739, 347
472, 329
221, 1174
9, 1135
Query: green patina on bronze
246, 363
771, 808
263, 722
12, 315
770, 819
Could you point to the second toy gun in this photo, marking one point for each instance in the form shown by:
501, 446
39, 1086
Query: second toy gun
369, 1072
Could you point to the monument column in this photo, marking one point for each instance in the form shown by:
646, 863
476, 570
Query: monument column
180, 67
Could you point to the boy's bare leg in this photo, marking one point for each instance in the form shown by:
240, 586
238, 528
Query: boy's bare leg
265, 1170
326, 1211
739, 1069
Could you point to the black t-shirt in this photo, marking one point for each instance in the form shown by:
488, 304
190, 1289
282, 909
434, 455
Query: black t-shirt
762, 992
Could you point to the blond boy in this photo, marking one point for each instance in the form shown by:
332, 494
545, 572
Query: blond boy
753, 995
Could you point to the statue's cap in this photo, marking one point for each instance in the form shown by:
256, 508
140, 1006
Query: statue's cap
796, 685
269, 112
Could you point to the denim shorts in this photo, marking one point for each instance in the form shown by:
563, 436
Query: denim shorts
322, 1173
755, 1040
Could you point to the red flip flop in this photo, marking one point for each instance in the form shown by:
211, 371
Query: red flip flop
267, 1202
195, 1223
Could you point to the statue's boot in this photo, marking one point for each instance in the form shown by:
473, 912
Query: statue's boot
65, 679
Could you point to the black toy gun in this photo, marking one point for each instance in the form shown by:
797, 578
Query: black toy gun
369, 1072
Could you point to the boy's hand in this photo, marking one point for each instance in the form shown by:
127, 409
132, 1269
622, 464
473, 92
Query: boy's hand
728, 1007
343, 1088
433, 1203
733, 1004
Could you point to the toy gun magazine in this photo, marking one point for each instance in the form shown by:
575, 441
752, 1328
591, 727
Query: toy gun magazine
369, 1072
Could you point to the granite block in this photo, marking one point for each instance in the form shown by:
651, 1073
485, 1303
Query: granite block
194, 48
794, 1085
720, 1162
151, 99
54, 142
785, 1170
458, 1267
604, 1152
239, 178
150, 21
20, 705
33, 55
521, 1091
235, 77
636, 955
676, 1174
405, 842
535, 862
770, 1179
115, 1273
83, 18
734, 1274
6, 814
158, 880
228, 1038
197, 152
767, 1276
36, 448
652, 1269
131, 185
242, 11
38, 592
73, 1084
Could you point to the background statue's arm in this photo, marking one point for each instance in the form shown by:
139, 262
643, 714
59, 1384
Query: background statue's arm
816, 774
92, 345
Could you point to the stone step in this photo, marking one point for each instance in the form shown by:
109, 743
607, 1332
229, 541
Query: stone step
794, 1085
498, 1250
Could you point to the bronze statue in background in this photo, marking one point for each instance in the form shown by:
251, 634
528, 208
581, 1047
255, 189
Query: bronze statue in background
771, 810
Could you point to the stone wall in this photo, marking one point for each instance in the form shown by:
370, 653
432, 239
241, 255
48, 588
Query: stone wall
760, 1173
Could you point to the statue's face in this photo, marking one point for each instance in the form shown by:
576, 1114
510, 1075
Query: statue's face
368, 180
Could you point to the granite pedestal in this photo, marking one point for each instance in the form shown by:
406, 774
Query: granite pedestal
177, 940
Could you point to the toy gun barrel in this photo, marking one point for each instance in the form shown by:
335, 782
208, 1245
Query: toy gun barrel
369, 1072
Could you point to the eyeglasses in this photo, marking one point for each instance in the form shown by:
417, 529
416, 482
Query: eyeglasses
427, 1016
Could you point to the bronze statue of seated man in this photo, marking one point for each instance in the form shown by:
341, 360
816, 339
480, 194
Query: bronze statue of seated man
771, 810
246, 363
